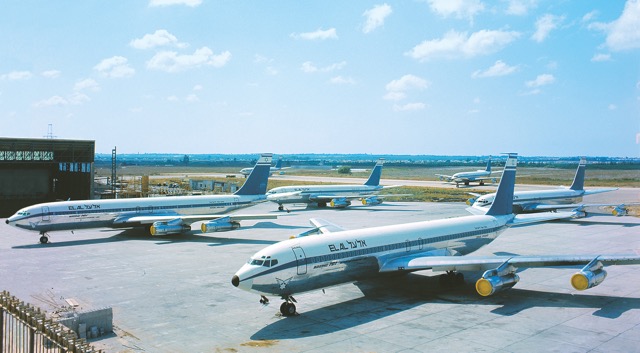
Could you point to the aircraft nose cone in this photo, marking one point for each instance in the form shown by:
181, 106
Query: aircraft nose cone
235, 281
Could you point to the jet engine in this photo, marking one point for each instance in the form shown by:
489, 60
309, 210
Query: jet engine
219, 225
371, 201
170, 227
340, 203
493, 281
471, 201
620, 211
590, 276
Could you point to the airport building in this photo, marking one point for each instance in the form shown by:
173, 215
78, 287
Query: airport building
42, 170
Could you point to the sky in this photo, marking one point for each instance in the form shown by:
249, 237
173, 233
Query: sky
436, 77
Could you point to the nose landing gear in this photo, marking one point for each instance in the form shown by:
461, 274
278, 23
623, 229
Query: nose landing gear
288, 308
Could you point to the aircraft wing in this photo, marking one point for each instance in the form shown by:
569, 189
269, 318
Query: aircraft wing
598, 191
419, 262
324, 226
574, 206
150, 219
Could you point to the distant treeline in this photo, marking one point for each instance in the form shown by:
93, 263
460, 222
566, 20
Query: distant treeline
361, 161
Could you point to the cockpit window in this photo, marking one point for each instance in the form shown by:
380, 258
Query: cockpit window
265, 261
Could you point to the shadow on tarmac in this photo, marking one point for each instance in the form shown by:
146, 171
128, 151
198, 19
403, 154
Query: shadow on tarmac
385, 297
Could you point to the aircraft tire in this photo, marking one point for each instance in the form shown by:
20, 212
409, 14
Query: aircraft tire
44, 240
288, 309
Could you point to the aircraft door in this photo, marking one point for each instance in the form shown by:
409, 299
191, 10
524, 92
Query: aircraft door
46, 216
301, 260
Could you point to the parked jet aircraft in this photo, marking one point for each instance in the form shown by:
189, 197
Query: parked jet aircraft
549, 199
338, 256
277, 168
337, 196
466, 177
160, 215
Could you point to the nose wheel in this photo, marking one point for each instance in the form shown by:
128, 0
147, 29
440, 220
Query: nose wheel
44, 238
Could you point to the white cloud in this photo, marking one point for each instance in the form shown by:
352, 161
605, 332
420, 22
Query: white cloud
396, 89
192, 98
159, 38
456, 44
457, 8
309, 67
170, 61
173, 98
78, 98
498, 69
589, 16
86, 84
541, 80
394, 96
51, 74
317, 35
544, 26
612, 107
115, 67
17, 75
198, 88
190, 3
340, 80
407, 82
624, 33
52, 101
409, 107
520, 7
601, 57
375, 17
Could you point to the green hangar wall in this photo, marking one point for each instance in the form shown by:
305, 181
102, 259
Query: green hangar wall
43, 170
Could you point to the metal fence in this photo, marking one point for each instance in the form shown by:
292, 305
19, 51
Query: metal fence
25, 328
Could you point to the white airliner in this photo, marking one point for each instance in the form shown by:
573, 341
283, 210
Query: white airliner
550, 199
337, 196
337, 256
466, 177
277, 168
160, 215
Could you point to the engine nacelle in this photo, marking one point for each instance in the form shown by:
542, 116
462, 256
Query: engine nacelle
218, 226
371, 201
340, 203
471, 201
586, 279
620, 211
166, 228
488, 285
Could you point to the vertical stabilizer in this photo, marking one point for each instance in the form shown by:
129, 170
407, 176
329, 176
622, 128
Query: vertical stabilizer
374, 178
279, 163
488, 169
578, 180
256, 183
503, 202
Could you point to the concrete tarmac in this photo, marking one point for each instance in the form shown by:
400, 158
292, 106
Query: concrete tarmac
174, 293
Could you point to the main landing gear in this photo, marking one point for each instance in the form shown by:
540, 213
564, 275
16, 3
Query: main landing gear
288, 308
44, 238
451, 279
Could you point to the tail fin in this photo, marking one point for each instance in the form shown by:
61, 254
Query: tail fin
503, 202
278, 164
256, 183
374, 178
488, 169
578, 180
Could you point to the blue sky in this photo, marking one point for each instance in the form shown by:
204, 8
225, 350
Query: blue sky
556, 78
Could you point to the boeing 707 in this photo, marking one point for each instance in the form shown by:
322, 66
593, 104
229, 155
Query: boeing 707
466, 177
550, 199
277, 168
160, 215
336, 256
338, 196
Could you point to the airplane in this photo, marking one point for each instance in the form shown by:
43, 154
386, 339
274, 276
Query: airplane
337, 196
277, 168
466, 177
550, 199
159, 215
336, 256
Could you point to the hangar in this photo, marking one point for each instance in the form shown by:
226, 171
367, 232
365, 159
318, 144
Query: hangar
42, 170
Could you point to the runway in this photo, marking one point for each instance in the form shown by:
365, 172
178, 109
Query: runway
173, 294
